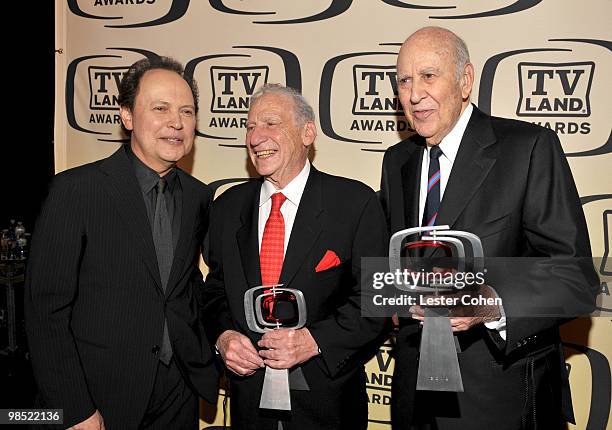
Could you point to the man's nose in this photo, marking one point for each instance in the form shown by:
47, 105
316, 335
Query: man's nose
417, 92
258, 136
175, 121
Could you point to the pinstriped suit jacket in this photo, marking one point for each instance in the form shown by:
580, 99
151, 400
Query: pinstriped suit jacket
94, 302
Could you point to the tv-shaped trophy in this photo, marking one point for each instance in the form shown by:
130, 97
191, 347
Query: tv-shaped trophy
439, 251
270, 307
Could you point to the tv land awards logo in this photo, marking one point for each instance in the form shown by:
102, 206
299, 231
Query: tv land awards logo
446, 11
93, 80
337, 7
228, 80
598, 213
375, 90
379, 375
606, 263
118, 9
601, 385
233, 87
104, 91
226, 83
366, 108
563, 88
282, 7
130, 13
556, 90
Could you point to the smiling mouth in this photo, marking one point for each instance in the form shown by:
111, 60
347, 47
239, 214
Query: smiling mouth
173, 140
265, 154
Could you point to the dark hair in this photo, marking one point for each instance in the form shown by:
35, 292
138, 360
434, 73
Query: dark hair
128, 88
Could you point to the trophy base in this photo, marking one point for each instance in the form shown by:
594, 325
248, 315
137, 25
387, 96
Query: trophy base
438, 362
275, 392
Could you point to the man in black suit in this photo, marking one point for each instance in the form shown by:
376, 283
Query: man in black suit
328, 224
509, 183
111, 298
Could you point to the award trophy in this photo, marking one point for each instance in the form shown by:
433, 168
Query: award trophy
270, 307
438, 363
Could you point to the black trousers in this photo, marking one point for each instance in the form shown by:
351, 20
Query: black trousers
172, 405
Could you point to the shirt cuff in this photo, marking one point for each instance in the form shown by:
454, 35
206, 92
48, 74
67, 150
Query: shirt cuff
500, 324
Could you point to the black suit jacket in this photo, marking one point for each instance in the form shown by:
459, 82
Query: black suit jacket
94, 301
334, 214
510, 185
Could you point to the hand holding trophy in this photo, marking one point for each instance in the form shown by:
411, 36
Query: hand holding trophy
271, 307
437, 256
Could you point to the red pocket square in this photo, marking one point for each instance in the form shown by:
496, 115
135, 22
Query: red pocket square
329, 260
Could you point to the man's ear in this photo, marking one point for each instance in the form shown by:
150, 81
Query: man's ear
126, 117
467, 81
309, 133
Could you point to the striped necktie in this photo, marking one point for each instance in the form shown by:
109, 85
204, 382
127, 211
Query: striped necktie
433, 188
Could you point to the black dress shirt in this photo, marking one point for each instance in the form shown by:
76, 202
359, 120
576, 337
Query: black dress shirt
148, 179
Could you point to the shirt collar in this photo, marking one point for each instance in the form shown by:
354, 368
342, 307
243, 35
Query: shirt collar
293, 191
450, 143
147, 177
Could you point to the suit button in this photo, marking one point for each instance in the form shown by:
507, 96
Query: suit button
155, 349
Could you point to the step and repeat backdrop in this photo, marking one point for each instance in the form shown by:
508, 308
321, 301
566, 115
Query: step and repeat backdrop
542, 61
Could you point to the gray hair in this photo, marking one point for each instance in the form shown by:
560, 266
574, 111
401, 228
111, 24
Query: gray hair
462, 55
302, 111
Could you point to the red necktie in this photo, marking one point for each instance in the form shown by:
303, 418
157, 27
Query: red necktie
273, 243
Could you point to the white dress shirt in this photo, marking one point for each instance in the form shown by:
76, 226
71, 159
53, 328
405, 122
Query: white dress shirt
450, 146
293, 191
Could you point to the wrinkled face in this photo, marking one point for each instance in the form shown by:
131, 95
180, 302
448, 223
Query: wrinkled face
277, 145
432, 97
163, 120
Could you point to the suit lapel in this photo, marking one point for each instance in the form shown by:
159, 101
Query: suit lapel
123, 188
472, 165
306, 228
247, 238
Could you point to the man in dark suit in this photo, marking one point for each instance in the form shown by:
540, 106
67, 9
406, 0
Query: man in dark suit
509, 183
328, 224
111, 298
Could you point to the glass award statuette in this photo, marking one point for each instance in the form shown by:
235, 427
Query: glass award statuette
436, 252
269, 307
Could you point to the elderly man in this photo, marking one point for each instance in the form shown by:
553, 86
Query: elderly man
509, 183
112, 282
307, 230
